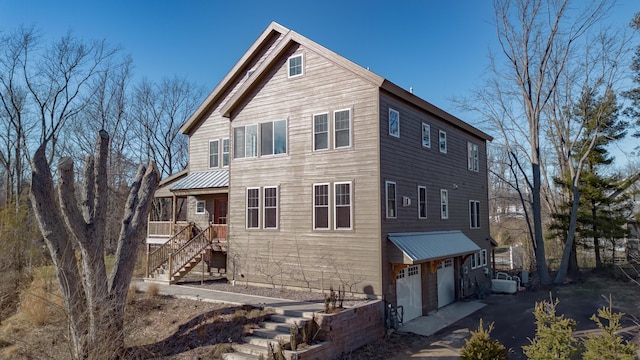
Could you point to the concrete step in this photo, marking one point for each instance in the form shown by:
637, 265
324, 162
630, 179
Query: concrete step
277, 326
291, 320
261, 341
239, 356
271, 334
251, 349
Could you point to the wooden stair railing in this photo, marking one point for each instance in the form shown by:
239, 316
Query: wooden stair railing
189, 254
161, 255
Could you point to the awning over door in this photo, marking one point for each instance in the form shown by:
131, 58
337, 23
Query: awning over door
424, 246
202, 182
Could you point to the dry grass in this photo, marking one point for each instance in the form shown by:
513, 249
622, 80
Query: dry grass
40, 303
153, 290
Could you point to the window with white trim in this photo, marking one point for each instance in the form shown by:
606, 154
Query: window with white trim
273, 138
342, 128
253, 208
270, 207
394, 123
483, 257
474, 260
321, 131
390, 192
245, 141
321, 206
474, 214
422, 202
444, 204
473, 157
214, 151
342, 212
225, 152
443, 141
295, 64
201, 207
426, 135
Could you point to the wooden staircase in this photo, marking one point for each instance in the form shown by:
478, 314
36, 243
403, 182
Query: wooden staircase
178, 256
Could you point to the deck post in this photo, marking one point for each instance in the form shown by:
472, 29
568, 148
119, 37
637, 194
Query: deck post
148, 250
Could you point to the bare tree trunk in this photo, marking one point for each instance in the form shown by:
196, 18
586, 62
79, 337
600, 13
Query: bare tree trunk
95, 304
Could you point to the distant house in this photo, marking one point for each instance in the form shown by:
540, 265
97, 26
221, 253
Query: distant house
307, 170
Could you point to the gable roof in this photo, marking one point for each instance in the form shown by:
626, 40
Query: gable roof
424, 246
291, 38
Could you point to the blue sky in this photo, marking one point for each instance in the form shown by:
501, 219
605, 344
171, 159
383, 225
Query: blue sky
437, 47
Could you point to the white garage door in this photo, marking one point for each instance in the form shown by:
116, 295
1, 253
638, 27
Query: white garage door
409, 292
446, 283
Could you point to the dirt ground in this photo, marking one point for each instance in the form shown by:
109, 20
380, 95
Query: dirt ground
513, 319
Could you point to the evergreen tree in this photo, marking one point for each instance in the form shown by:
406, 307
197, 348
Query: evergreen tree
554, 334
609, 344
481, 347
633, 94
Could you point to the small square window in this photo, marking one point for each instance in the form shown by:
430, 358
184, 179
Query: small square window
201, 206
295, 65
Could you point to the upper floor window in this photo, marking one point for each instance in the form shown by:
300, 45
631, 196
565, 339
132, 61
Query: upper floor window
270, 207
394, 123
390, 193
422, 202
245, 141
342, 128
253, 208
474, 214
321, 131
472, 157
225, 152
444, 204
426, 135
213, 153
273, 138
342, 214
443, 141
321, 206
295, 65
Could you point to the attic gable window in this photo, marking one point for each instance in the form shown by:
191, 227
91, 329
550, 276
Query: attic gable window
295, 65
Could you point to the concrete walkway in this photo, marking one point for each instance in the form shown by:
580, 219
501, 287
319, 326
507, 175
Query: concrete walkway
440, 319
215, 296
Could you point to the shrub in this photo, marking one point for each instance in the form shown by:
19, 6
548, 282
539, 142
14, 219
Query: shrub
553, 338
481, 347
608, 344
153, 290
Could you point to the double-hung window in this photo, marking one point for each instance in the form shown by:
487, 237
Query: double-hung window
270, 207
444, 204
245, 140
426, 135
321, 206
225, 152
201, 207
474, 214
422, 202
472, 157
321, 131
391, 199
443, 141
253, 208
342, 214
273, 138
214, 153
342, 128
295, 65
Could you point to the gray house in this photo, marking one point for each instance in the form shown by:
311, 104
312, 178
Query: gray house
309, 171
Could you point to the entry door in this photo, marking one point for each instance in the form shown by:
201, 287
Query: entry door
446, 283
220, 212
409, 292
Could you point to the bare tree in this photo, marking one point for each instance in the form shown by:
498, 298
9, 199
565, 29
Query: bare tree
75, 237
537, 39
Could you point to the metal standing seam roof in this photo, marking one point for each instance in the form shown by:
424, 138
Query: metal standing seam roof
203, 180
433, 245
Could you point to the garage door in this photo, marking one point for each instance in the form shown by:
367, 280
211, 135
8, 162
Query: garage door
446, 283
409, 292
